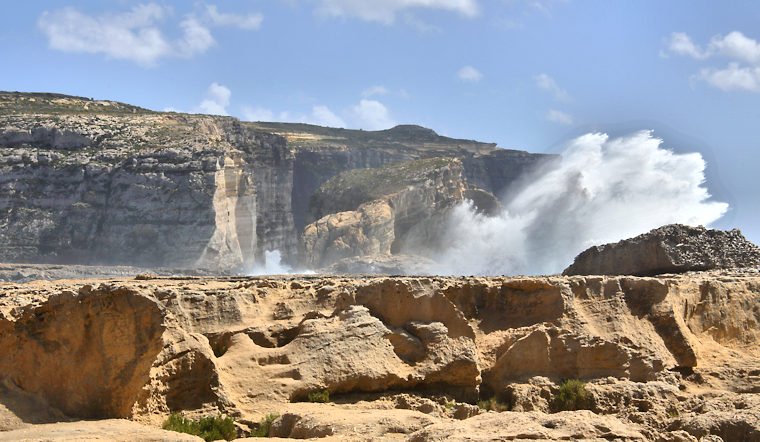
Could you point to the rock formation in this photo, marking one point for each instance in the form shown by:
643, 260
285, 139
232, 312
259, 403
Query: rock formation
673, 248
401, 357
100, 182
370, 212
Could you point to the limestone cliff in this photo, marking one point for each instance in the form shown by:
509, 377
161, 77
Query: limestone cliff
129, 186
372, 211
98, 182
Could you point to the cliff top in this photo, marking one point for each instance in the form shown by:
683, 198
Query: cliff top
299, 135
405, 136
43, 102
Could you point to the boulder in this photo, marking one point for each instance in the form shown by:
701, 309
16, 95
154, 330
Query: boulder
674, 248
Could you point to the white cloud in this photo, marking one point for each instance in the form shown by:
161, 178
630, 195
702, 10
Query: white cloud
372, 115
216, 101
559, 117
257, 114
681, 44
320, 115
374, 90
733, 78
248, 21
385, 11
735, 46
547, 83
133, 36
323, 116
196, 38
469, 74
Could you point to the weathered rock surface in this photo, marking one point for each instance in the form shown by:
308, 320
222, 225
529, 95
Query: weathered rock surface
370, 212
578, 425
673, 248
100, 182
668, 358
103, 430
130, 186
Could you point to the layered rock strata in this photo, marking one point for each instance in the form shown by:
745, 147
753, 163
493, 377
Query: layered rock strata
370, 212
649, 349
140, 188
103, 183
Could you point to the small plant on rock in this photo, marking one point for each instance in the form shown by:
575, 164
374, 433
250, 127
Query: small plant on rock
320, 396
209, 428
492, 404
572, 396
265, 425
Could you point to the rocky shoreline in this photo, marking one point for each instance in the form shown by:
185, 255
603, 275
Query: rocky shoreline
669, 358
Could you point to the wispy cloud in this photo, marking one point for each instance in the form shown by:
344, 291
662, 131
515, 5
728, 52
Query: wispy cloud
322, 116
733, 77
548, 84
559, 117
216, 101
374, 90
137, 35
371, 115
365, 114
469, 74
386, 11
245, 21
743, 71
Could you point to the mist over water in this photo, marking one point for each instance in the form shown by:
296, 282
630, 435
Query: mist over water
600, 190
272, 265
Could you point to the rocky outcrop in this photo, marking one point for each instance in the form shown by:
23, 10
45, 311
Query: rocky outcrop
104, 183
140, 188
249, 346
101, 430
669, 249
371, 211
579, 425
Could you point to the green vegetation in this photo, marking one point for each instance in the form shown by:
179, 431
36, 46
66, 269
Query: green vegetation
26, 102
401, 137
352, 188
320, 396
265, 425
492, 404
572, 396
209, 428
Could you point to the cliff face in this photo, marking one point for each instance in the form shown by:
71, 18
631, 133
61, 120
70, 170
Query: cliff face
140, 188
659, 355
371, 211
99, 182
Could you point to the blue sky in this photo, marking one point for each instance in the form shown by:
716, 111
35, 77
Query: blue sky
525, 74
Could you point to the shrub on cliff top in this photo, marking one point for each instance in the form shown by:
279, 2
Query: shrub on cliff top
265, 425
320, 396
209, 428
572, 396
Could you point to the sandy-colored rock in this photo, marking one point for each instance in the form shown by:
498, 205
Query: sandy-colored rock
579, 425
102, 430
648, 348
